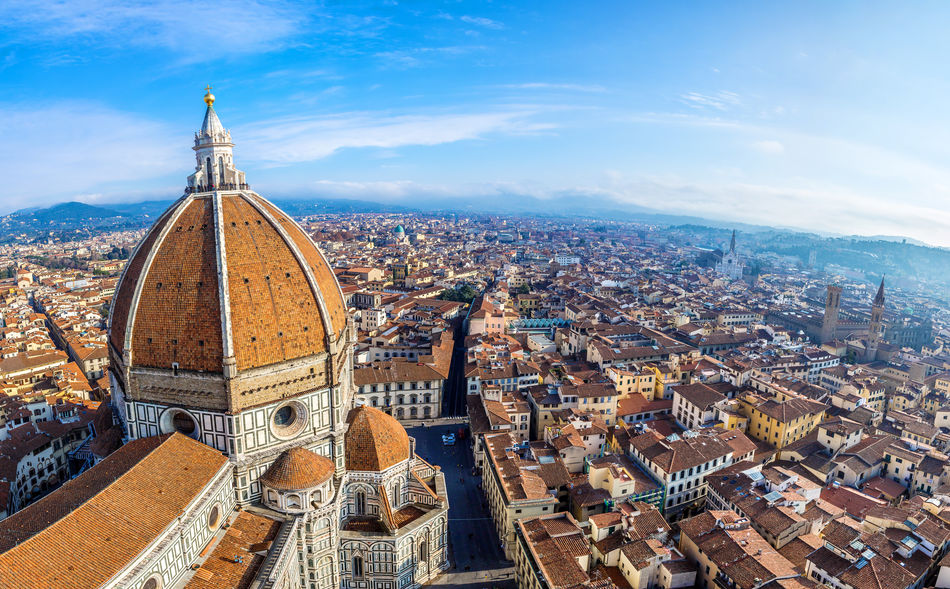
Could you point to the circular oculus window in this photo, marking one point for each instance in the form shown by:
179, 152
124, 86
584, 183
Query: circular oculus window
179, 420
289, 419
214, 517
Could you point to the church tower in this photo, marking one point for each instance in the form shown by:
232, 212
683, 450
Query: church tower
731, 264
829, 323
875, 327
229, 326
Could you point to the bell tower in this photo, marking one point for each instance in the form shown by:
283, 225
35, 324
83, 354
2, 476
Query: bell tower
829, 323
875, 327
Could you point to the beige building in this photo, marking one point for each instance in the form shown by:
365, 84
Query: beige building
552, 553
515, 487
405, 390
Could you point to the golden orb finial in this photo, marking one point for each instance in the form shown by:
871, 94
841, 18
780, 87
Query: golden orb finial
209, 97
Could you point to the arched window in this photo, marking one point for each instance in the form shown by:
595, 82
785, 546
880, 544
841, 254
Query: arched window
424, 550
397, 494
326, 572
427, 411
209, 173
413, 399
357, 566
221, 169
374, 401
293, 501
360, 503
399, 413
272, 496
413, 412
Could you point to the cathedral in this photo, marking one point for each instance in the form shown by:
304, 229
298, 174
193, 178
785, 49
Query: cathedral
241, 460
731, 264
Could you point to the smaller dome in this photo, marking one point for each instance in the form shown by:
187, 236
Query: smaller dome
374, 441
298, 469
399, 229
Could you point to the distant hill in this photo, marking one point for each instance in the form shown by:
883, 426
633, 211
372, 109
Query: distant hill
65, 212
299, 207
68, 220
148, 208
72, 220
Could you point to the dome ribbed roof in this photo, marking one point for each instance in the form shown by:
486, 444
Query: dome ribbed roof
374, 441
279, 299
298, 469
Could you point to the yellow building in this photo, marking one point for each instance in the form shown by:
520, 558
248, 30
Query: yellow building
633, 382
870, 390
731, 416
779, 423
942, 384
664, 378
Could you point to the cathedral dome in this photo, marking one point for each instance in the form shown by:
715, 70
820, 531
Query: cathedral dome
298, 469
225, 278
374, 441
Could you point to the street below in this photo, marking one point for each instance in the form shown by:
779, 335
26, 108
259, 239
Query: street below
477, 557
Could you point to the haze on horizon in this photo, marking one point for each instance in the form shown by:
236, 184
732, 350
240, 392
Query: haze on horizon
823, 116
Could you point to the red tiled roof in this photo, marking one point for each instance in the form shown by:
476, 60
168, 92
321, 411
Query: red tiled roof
374, 441
296, 469
89, 529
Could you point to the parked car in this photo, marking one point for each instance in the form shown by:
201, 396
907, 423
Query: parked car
448, 439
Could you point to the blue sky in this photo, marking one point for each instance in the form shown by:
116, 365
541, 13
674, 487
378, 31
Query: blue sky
822, 115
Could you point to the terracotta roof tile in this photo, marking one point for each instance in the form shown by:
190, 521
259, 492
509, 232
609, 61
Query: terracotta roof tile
249, 533
297, 469
374, 441
83, 533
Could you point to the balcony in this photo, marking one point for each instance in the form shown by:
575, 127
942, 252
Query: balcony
213, 187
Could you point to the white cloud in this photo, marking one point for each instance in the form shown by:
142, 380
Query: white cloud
827, 207
769, 147
67, 149
722, 100
410, 58
200, 29
302, 139
482, 22
553, 86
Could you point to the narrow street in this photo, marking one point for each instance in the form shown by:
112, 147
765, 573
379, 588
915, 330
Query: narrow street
453, 397
476, 553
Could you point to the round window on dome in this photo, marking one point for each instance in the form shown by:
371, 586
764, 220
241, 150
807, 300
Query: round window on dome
153, 582
179, 420
214, 517
289, 419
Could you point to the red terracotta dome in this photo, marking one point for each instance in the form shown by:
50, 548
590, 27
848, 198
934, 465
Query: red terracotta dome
298, 469
225, 278
374, 441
